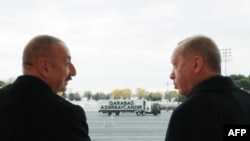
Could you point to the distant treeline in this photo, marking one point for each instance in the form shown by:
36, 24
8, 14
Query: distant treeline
242, 81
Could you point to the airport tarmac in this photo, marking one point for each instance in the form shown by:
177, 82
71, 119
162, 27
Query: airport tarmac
127, 126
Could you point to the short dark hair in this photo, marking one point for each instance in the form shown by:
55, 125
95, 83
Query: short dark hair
39, 46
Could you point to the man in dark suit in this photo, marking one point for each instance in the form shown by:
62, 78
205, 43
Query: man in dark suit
30, 109
213, 101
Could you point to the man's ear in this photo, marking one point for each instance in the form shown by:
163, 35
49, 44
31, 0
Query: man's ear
198, 63
42, 66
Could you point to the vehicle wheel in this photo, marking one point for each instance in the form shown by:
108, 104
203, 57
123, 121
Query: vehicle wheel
155, 114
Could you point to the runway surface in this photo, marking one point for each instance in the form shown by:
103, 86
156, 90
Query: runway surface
127, 127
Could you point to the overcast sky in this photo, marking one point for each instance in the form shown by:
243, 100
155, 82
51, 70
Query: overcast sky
118, 44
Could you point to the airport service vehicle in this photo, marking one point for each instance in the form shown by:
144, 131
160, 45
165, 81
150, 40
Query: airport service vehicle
140, 107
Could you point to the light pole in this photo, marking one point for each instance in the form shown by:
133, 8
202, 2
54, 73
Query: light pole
226, 56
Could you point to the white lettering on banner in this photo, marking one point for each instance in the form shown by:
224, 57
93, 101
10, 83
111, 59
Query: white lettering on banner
122, 107
117, 102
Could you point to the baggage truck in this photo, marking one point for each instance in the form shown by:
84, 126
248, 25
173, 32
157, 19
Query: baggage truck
139, 107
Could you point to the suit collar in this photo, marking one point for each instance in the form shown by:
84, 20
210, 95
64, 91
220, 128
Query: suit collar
215, 83
31, 82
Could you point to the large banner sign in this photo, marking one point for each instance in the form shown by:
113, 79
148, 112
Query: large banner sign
121, 105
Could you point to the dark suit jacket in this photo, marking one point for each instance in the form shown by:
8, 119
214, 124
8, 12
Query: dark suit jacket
211, 105
30, 111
